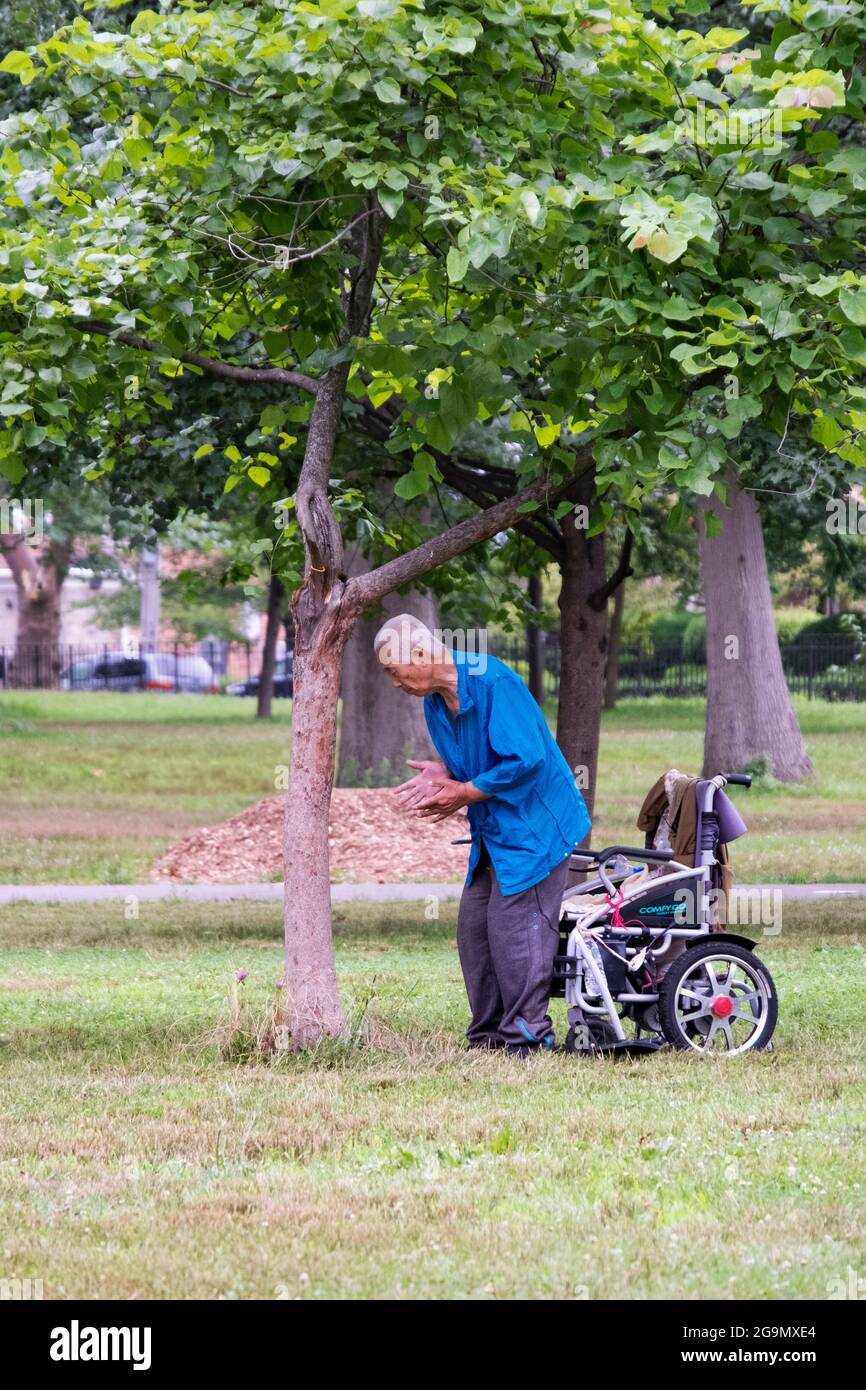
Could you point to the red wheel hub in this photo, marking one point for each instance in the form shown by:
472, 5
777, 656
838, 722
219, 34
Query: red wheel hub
721, 1006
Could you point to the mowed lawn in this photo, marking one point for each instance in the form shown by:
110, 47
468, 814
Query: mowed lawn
96, 786
138, 1160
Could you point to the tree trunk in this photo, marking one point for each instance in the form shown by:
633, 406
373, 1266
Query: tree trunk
535, 642
611, 675
749, 711
312, 1004
583, 649
39, 574
265, 701
381, 726
322, 623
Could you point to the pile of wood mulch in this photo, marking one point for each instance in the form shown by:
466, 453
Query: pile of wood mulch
372, 841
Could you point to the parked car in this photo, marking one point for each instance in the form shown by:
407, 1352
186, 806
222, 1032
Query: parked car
283, 683
147, 671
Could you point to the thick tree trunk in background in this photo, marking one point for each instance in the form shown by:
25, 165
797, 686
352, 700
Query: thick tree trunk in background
749, 711
535, 642
583, 649
39, 574
265, 701
380, 723
611, 675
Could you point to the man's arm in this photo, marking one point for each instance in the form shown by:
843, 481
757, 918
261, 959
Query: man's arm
513, 734
515, 738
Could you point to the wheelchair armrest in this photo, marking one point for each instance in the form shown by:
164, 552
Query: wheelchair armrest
650, 856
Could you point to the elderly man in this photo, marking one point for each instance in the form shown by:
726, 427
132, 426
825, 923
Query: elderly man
525, 814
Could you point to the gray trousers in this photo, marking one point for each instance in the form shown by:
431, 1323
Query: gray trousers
506, 947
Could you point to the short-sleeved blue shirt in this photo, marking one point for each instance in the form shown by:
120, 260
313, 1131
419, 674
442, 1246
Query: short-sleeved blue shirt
499, 741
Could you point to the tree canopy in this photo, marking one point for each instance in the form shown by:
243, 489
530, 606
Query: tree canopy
604, 227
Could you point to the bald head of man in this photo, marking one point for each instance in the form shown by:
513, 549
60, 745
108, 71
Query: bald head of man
413, 657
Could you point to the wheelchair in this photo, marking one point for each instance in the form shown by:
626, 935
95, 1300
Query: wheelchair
642, 962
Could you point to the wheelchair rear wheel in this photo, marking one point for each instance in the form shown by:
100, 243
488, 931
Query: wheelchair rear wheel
718, 998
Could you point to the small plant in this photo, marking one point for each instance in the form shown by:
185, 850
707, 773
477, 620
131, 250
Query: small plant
760, 772
254, 1035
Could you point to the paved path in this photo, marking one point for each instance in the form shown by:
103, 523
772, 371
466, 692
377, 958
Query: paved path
340, 892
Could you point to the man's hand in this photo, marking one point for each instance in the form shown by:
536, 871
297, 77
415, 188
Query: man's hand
448, 797
412, 793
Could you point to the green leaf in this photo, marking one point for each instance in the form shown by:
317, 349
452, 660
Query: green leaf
853, 305
391, 201
443, 87
388, 91
260, 476
411, 484
79, 366
457, 263
20, 64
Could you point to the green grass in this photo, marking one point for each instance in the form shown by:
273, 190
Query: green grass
811, 833
96, 786
136, 1162
100, 784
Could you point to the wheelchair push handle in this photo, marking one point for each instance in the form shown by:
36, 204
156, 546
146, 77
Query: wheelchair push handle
738, 779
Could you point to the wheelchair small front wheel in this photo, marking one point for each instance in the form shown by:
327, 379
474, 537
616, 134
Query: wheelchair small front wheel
718, 998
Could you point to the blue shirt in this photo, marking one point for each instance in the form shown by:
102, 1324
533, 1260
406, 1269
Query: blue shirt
499, 741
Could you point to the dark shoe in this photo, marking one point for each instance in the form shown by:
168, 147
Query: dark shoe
491, 1044
529, 1049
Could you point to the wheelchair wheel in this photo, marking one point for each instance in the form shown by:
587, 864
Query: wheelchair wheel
718, 998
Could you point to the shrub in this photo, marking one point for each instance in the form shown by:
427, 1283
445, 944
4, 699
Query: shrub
826, 642
695, 639
791, 621
667, 629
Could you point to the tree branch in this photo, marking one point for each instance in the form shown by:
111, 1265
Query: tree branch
323, 544
214, 366
600, 596
438, 550
485, 490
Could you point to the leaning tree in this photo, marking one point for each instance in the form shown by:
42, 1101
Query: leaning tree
475, 209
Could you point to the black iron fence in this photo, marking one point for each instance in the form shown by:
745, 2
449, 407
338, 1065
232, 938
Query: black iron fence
201, 667
820, 667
